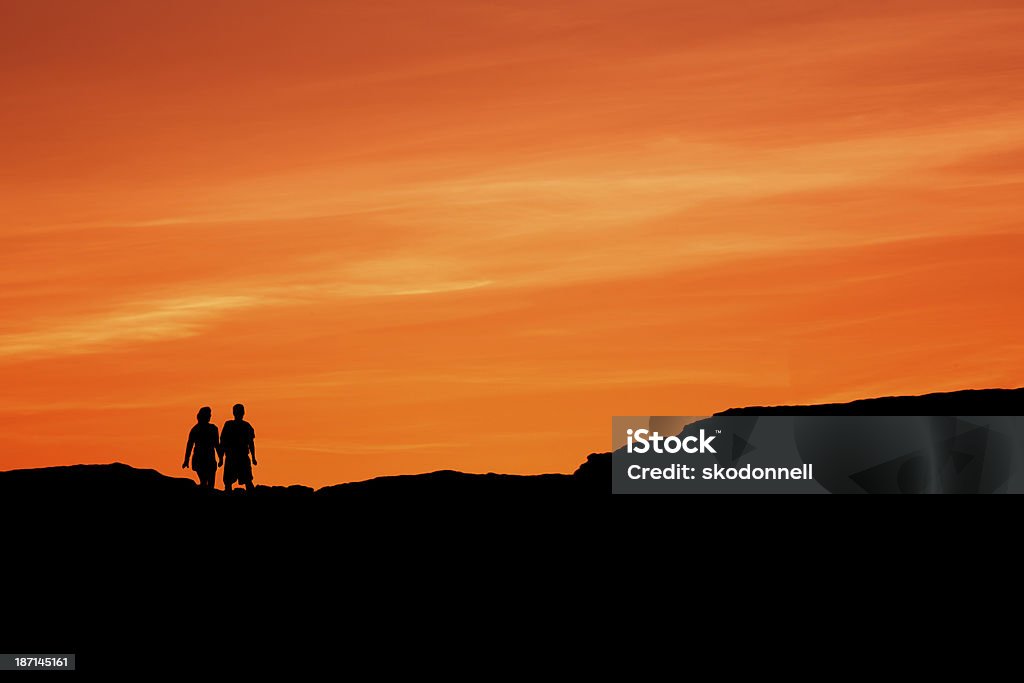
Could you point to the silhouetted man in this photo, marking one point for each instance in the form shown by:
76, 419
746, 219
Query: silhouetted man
236, 440
204, 438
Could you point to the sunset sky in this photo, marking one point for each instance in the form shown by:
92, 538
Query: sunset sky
464, 234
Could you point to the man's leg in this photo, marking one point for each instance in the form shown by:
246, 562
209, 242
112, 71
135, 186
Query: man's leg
249, 486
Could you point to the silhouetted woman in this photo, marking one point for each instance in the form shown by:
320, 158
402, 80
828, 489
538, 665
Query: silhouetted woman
206, 440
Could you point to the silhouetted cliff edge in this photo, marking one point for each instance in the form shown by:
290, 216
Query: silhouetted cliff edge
118, 484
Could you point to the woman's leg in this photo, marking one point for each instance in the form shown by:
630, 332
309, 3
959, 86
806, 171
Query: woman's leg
205, 476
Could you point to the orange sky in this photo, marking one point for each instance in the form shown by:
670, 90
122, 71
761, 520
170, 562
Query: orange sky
464, 234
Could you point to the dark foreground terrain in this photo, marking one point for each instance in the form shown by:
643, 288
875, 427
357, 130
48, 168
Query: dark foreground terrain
119, 486
137, 572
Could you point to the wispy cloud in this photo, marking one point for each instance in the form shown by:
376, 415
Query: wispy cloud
375, 447
140, 321
164, 319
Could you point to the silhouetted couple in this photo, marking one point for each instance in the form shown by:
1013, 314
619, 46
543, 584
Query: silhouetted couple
235, 442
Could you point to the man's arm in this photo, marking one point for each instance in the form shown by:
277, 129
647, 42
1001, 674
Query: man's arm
218, 446
220, 451
252, 445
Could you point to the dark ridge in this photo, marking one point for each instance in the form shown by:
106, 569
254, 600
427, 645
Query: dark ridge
117, 484
450, 482
96, 481
964, 403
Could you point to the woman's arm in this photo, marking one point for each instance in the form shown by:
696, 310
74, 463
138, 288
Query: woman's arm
188, 447
219, 447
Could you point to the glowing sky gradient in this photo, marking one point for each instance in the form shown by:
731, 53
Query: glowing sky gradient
461, 234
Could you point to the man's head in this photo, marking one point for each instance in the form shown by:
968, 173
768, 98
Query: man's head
238, 410
204, 414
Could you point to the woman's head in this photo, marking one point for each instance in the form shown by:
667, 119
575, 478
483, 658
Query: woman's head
204, 414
